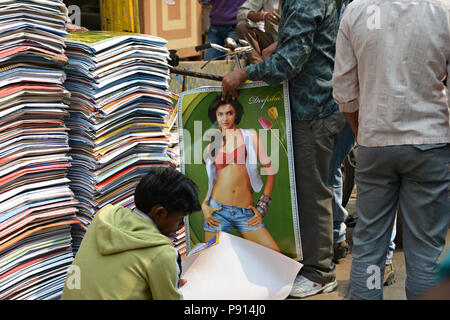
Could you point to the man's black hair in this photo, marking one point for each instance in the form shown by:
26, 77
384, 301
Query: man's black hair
169, 188
217, 102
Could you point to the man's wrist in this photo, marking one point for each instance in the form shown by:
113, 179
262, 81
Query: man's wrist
243, 75
263, 15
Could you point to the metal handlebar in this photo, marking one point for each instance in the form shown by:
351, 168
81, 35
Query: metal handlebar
214, 46
230, 49
203, 47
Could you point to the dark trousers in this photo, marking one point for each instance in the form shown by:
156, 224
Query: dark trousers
313, 147
413, 180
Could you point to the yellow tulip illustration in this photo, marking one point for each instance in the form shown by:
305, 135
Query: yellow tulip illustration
273, 112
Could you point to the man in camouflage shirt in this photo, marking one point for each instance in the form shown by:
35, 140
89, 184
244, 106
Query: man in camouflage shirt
305, 57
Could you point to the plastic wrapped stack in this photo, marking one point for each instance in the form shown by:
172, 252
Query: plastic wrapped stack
119, 113
37, 207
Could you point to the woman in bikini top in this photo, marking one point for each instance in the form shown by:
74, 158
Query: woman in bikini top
233, 186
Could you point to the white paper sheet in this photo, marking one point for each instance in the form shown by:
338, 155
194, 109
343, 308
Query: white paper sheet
237, 269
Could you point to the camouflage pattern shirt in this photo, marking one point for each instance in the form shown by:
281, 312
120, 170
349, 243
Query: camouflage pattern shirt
304, 56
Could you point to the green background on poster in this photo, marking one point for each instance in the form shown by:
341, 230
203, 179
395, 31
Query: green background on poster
259, 101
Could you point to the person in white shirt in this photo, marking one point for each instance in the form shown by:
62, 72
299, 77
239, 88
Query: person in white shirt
392, 58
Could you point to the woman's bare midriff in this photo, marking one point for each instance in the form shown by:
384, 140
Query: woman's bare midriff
233, 187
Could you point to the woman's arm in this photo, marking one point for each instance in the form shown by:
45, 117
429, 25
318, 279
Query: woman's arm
265, 161
266, 165
268, 187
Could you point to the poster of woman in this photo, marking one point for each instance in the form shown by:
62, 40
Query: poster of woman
239, 152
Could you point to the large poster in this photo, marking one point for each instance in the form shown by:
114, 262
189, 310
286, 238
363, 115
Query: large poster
239, 153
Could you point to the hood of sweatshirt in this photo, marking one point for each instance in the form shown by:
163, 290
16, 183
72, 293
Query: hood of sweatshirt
118, 229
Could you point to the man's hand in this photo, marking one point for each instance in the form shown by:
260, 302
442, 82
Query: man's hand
74, 28
231, 81
272, 17
270, 50
182, 282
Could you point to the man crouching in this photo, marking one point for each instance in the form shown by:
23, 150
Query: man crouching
126, 254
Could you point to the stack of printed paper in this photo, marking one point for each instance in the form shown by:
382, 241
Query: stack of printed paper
119, 112
179, 240
174, 148
37, 208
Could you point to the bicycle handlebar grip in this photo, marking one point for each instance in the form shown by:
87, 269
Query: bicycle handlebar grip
203, 47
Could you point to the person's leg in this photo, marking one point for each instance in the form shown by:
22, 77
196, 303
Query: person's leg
425, 210
261, 236
391, 248
313, 144
343, 144
389, 272
230, 32
215, 35
378, 186
259, 40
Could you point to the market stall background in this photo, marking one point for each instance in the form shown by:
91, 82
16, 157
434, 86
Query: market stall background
178, 21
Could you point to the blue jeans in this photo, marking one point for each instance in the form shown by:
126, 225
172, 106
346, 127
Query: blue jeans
410, 179
217, 35
231, 216
343, 143
391, 247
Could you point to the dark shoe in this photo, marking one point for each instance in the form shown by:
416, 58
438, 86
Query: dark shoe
340, 251
389, 275
350, 222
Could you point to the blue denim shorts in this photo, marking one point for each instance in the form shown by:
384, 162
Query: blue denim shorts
231, 216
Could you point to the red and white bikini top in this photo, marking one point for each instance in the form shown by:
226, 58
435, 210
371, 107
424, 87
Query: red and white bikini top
239, 156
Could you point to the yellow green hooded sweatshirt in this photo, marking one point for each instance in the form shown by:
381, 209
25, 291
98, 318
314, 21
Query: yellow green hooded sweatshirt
123, 256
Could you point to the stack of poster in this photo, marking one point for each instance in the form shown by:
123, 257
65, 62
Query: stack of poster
120, 106
174, 147
179, 241
37, 207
